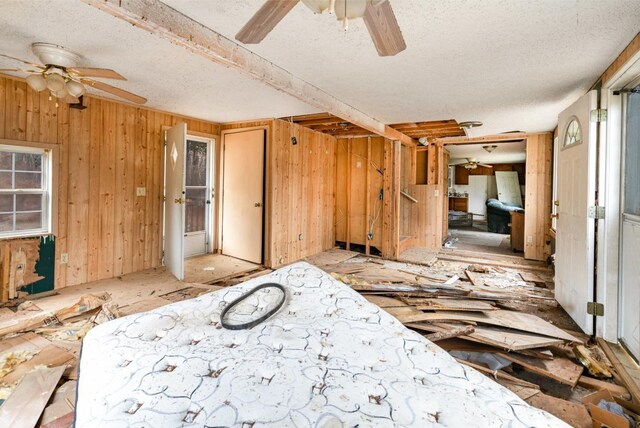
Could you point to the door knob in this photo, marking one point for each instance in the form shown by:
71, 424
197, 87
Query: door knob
257, 205
179, 201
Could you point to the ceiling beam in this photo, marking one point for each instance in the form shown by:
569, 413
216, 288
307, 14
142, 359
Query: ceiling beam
159, 19
515, 136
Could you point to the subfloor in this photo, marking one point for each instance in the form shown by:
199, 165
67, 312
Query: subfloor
212, 267
472, 305
477, 238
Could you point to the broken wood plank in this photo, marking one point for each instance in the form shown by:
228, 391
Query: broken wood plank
574, 414
442, 335
86, 303
444, 304
532, 277
523, 392
594, 366
384, 302
143, 306
474, 278
452, 280
598, 385
514, 320
51, 356
59, 413
497, 374
559, 369
624, 366
509, 340
25, 342
25, 404
512, 265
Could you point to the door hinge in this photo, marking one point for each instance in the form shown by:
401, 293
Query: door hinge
599, 115
596, 212
595, 308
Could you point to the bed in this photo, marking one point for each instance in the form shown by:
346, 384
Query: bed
327, 358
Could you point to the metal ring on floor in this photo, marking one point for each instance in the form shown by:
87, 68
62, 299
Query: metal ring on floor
259, 320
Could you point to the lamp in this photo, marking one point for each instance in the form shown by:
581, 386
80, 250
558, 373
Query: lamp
55, 82
75, 89
37, 82
490, 148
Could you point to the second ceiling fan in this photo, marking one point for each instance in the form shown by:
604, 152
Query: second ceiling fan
377, 15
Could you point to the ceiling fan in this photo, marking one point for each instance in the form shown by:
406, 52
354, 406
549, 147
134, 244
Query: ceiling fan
468, 163
60, 75
377, 14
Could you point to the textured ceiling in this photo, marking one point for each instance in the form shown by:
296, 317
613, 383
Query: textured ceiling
504, 153
511, 64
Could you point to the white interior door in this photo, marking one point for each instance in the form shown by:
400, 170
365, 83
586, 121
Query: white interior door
629, 315
174, 205
478, 193
576, 192
243, 195
509, 188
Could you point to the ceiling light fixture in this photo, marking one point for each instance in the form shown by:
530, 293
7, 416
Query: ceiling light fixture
423, 141
490, 148
470, 124
343, 9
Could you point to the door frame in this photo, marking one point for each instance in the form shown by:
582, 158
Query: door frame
266, 194
609, 189
211, 173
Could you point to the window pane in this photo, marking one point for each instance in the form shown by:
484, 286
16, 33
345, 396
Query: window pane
28, 202
5, 160
25, 221
632, 156
195, 210
6, 203
28, 180
28, 162
6, 182
196, 164
6, 222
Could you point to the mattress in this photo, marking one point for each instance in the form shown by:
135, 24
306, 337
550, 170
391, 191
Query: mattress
327, 358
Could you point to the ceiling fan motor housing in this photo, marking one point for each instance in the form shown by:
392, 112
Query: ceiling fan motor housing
50, 54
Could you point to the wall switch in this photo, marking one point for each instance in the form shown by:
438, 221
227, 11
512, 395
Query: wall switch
141, 191
64, 258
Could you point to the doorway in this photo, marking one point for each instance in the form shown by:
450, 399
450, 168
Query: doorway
629, 316
485, 198
198, 196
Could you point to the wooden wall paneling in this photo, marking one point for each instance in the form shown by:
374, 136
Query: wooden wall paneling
62, 207
16, 110
377, 184
359, 195
4, 119
80, 180
349, 192
140, 164
33, 116
367, 195
107, 191
445, 194
94, 142
395, 189
538, 196
387, 220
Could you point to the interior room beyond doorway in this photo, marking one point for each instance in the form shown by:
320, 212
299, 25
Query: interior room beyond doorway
486, 197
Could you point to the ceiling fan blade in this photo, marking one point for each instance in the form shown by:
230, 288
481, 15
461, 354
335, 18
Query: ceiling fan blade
103, 73
384, 30
484, 165
24, 62
20, 70
458, 162
264, 20
115, 91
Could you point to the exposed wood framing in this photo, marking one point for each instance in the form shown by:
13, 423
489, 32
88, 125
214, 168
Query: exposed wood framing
166, 22
512, 136
336, 126
632, 49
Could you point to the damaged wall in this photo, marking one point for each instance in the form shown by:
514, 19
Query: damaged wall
104, 153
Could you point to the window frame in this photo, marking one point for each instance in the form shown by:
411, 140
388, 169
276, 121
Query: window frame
49, 181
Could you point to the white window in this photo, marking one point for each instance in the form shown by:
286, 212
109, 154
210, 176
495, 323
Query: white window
25, 201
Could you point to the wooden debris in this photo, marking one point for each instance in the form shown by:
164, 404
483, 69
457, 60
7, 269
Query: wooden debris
460, 331
452, 280
497, 374
142, 306
594, 366
598, 385
60, 412
478, 269
624, 366
574, 414
474, 278
51, 356
86, 303
384, 302
559, 369
444, 304
25, 405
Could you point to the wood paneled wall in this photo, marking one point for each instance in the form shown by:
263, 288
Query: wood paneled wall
105, 152
364, 171
537, 210
300, 191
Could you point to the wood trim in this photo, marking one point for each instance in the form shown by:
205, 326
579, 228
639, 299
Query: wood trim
169, 24
627, 53
484, 139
